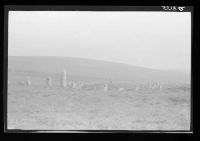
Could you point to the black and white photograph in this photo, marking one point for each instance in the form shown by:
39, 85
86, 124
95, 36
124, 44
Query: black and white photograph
99, 70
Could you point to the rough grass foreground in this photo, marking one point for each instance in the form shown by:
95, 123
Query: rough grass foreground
58, 109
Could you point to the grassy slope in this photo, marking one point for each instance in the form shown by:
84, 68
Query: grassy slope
95, 69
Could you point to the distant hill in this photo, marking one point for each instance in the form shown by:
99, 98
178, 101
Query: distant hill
96, 69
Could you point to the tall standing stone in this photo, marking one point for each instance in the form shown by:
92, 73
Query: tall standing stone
63, 79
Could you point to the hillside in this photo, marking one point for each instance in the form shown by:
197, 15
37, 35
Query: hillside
95, 69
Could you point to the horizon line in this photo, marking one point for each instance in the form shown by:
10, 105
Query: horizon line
177, 70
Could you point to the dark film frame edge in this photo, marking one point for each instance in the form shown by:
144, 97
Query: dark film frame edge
8, 8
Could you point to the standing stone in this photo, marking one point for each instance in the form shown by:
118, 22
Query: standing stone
49, 81
121, 89
160, 87
153, 86
63, 79
70, 84
105, 87
74, 85
28, 81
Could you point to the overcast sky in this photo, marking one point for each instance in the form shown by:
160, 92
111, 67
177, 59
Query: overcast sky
159, 40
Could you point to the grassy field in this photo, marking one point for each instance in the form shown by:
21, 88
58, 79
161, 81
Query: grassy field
37, 107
